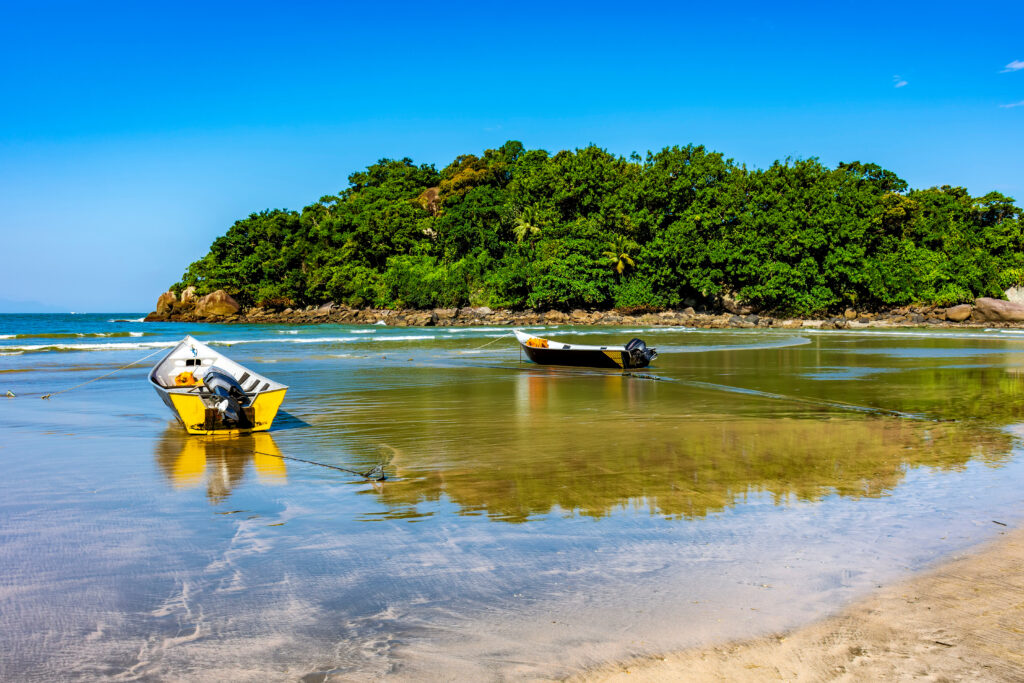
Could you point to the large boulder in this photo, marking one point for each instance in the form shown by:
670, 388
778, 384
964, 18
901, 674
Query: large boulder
420, 319
189, 295
958, 314
733, 305
218, 303
1015, 295
556, 317
165, 302
997, 310
444, 316
478, 312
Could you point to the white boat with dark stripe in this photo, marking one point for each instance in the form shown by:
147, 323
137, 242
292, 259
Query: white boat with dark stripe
634, 354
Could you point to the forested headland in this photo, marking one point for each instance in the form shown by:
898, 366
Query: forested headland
517, 228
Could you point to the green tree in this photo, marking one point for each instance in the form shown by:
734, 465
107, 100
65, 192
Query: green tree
583, 227
618, 255
528, 225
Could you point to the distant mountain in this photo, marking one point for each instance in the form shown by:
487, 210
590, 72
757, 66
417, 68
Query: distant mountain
8, 306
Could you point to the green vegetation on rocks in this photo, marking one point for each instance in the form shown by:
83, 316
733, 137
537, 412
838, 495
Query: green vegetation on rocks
518, 228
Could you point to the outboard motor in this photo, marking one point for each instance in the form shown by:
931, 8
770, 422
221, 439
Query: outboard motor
227, 394
639, 354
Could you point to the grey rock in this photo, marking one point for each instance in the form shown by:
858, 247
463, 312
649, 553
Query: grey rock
997, 310
734, 305
1015, 295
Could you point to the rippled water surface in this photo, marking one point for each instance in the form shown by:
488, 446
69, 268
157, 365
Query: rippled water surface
535, 520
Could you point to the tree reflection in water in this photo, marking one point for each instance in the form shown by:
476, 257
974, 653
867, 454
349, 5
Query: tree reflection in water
556, 445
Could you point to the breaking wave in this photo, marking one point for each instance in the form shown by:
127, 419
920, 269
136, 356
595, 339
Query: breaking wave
113, 346
73, 335
129, 346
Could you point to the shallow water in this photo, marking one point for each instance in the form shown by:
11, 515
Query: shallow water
535, 520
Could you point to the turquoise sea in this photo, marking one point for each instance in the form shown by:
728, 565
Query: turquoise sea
536, 521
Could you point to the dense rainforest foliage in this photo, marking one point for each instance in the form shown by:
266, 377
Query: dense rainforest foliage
520, 228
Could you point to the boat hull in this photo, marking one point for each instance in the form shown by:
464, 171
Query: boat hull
584, 358
191, 412
226, 398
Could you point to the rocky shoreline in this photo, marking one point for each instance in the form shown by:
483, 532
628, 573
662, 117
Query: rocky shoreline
220, 307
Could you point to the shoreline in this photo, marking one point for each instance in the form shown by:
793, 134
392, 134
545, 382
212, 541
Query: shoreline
960, 620
964, 316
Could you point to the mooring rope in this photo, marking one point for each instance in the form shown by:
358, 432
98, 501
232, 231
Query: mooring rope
493, 341
64, 391
823, 403
375, 474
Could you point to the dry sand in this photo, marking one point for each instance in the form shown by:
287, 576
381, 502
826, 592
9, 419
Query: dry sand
963, 621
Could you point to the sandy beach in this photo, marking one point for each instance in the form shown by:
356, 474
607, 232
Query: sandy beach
963, 620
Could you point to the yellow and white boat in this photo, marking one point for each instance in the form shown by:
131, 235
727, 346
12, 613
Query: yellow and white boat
211, 394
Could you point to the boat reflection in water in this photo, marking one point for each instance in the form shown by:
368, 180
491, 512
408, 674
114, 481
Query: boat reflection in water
218, 461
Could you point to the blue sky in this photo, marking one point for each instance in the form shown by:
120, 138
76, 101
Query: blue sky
131, 135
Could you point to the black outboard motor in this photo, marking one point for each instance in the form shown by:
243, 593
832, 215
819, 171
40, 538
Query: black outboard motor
639, 354
228, 395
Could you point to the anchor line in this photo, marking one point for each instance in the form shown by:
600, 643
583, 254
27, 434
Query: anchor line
123, 367
374, 474
782, 397
493, 341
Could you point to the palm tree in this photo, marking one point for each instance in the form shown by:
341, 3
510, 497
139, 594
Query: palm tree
618, 255
528, 224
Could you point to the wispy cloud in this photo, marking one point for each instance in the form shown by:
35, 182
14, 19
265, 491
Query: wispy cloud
898, 82
1015, 65
1011, 106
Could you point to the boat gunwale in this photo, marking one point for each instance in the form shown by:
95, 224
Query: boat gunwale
191, 341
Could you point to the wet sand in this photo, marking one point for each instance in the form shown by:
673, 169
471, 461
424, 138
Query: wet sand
963, 620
